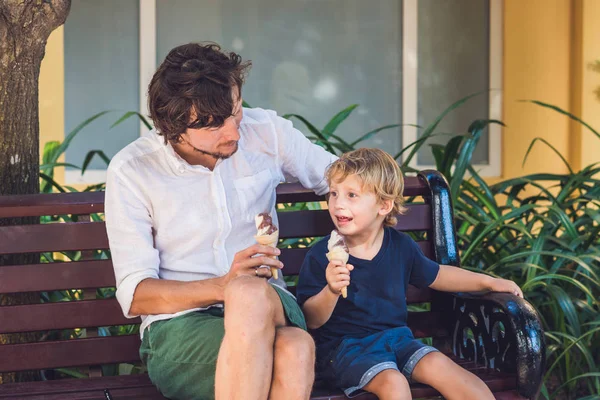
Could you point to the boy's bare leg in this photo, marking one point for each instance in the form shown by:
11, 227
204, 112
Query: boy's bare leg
294, 365
245, 361
389, 384
448, 378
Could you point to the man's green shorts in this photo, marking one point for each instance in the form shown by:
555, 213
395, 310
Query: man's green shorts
181, 353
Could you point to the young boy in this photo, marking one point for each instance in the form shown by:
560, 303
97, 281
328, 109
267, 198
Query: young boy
363, 342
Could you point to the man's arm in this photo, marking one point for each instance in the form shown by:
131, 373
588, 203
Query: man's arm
161, 296
454, 279
136, 261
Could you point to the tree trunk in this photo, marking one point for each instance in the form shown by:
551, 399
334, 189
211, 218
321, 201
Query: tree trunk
24, 29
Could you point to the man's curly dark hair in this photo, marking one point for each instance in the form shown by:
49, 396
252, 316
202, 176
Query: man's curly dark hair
195, 79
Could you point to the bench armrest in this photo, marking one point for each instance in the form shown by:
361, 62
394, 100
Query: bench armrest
505, 333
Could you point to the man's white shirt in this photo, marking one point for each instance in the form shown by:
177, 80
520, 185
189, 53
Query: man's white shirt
171, 220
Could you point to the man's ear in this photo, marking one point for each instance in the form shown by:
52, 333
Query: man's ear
385, 207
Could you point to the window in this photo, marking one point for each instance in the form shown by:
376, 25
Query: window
401, 61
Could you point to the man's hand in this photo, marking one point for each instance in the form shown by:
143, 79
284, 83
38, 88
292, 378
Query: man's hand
504, 285
338, 276
248, 261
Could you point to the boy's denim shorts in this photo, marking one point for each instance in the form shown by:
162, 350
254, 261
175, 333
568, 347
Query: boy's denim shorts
355, 362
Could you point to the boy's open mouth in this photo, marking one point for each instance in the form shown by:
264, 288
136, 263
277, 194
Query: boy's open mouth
343, 220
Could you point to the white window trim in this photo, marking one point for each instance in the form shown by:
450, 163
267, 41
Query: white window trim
410, 94
147, 54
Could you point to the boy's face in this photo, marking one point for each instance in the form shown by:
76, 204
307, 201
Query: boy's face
353, 209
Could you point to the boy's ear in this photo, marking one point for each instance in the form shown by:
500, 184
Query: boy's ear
385, 207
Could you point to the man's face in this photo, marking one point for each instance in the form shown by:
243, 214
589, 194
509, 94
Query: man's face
221, 142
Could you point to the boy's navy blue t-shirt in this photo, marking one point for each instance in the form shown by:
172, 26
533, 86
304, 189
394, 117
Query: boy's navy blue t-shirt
377, 293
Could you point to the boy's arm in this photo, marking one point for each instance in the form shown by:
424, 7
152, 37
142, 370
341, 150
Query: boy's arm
318, 308
454, 279
320, 285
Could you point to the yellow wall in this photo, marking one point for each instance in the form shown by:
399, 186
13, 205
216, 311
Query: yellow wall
590, 107
536, 66
52, 95
547, 47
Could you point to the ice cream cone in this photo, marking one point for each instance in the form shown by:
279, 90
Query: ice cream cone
339, 254
270, 240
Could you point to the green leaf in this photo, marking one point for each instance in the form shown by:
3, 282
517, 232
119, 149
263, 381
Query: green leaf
466, 152
333, 124
549, 145
130, 114
568, 114
431, 128
369, 134
90, 155
50, 183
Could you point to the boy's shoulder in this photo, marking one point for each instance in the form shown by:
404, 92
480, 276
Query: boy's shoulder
401, 240
319, 250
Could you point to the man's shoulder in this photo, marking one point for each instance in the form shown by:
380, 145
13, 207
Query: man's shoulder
257, 116
145, 146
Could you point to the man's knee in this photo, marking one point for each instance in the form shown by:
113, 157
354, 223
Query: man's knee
248, 292
294, 345
252, 303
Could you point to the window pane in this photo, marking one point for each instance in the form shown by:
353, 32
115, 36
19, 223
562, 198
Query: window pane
310, 57
453, 51
101, 73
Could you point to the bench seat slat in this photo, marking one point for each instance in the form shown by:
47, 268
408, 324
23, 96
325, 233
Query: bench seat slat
62, 315
69, 353
140, 387
53, 237
66, 386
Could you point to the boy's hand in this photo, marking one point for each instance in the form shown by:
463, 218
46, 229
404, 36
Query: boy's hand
338, 276
504, 285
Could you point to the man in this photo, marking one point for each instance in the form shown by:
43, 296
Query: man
180, 208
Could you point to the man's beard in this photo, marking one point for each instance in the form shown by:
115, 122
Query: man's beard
216, 155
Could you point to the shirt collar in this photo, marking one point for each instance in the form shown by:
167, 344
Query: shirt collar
178, 163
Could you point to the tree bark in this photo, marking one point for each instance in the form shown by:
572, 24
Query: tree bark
25, 26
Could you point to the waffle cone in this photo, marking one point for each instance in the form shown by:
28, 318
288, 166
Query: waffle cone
270, 240
339, 254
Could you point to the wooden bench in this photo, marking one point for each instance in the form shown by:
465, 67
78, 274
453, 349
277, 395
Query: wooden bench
497, 336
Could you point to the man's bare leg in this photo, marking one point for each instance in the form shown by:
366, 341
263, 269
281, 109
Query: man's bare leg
245, 361
450, 379
294, 365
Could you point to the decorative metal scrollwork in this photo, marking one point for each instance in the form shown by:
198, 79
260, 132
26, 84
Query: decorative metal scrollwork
483, 333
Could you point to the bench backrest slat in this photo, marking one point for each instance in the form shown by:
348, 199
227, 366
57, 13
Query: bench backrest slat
56, 276
53, 237
62, 315
294, 224
69, 353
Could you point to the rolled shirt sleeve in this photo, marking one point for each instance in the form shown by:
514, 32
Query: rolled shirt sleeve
129, 228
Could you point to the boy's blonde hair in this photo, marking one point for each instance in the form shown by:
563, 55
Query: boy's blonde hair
379, 174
